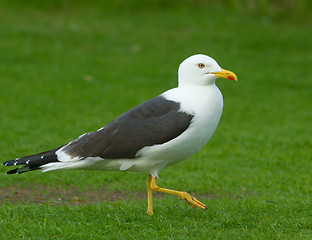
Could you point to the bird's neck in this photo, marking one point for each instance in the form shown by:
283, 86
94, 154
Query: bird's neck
193, 97
183, 84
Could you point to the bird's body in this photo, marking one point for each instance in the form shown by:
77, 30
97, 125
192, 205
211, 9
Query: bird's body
152, 159
160, 132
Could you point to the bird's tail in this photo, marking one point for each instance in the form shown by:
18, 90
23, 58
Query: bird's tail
32, 162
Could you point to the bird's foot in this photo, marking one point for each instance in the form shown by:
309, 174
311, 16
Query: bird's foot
150, 212
193, 202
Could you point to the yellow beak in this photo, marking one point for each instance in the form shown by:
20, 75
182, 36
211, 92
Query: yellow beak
225, 74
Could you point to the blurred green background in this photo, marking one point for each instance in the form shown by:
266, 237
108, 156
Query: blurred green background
67, 67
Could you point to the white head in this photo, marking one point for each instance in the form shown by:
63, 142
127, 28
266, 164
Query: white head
201, 70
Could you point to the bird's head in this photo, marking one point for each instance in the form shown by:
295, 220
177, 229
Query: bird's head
202, 70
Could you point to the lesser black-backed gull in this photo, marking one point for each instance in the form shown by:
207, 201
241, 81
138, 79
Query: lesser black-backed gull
155, 134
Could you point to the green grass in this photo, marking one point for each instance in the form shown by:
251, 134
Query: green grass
67, 69
122, 220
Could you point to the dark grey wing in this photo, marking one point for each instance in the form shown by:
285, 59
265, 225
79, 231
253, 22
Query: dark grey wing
153, 122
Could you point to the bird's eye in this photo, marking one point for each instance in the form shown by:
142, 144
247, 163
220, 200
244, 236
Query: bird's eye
201, 65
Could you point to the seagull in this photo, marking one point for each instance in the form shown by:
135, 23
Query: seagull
151, 136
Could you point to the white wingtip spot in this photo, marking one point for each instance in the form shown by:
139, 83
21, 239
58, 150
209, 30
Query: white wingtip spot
15, 163
42, 156
27, 162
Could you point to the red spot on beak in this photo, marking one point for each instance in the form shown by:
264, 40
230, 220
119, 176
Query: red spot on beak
230, 78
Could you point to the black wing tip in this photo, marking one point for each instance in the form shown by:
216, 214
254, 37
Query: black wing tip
25, 168
14, 171
8, 163
13, 162
32, 162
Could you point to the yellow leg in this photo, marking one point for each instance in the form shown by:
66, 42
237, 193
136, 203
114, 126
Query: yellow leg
149, 196
152, 186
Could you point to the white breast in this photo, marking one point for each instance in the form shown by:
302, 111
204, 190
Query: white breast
206, 104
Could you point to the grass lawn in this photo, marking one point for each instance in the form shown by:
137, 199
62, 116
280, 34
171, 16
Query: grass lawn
70, 69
